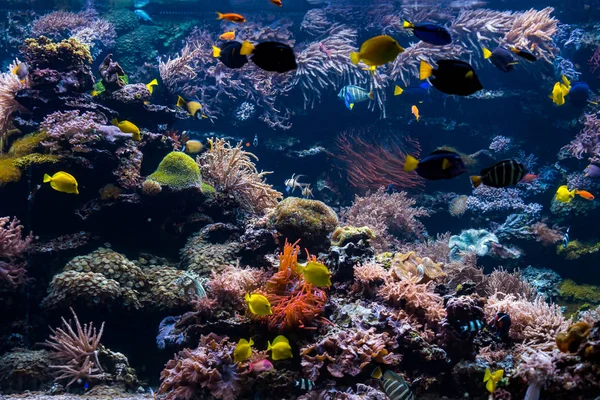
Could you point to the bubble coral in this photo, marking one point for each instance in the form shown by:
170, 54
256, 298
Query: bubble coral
210, 367
295, 303
177, 171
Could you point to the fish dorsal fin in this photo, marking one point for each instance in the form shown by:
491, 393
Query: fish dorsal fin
243, 341
391, 375
280, 339
441, 151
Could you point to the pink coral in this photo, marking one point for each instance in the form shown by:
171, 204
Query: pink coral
70, 129
13, 245
595, 61
587, 142
415, 298
506, 282
348, 353
387, 215
210, 367
229, 285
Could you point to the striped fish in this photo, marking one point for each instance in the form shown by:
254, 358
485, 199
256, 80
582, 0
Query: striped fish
395, 387
503, 173
304, 384
472, 326
353, 94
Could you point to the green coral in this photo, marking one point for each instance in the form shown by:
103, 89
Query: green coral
45, 53
177, 171
343, 235
36, 159
576, 249
311, 221
8, 171
587, 293
385, 258
208, 189
27, 144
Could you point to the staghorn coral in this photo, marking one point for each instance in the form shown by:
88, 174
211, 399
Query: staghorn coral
347, 353
209, 367
13, 246
231, 171
388, 215
295, 303
536, 323
75, 351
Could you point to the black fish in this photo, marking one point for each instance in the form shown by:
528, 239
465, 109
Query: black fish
271, 56
452, 77
525, 54
304, 384
440, 164
501, 324
503, 173
430, 33
501, 58
229, 54
395, 386
472, 326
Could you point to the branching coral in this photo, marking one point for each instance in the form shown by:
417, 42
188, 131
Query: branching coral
75, 351
348, 353
231, 171
505, 282
370, 162
533, 30
210, 367
536, 323
229, 286
587, 142
388, 215
13, 245
295, 303
71, 130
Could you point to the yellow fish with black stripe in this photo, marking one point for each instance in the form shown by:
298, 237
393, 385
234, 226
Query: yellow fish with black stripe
193, 107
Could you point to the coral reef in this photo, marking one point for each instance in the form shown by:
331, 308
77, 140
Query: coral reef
177, 171
13, 246
22, 370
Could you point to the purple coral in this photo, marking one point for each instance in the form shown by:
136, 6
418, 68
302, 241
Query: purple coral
587, 142
13, 245
210, 367
460, 311
487, 199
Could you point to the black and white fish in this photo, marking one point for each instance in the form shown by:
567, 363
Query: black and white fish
472, 326
304, 384
292, 183
566, 238
255, 141
395, 386
503, 173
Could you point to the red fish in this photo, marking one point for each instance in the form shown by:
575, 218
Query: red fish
231, 17
276, 2
528, 178
261, 366
585, 194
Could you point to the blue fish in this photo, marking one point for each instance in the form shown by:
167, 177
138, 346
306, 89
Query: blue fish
354, 94
140, 3
592, 171
142, 15
440, 164
501, 58
430, 33
579, 94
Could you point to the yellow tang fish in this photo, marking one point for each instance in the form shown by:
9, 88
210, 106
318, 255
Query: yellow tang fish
243, 350
193, 107
258, 304
280, 348
564, 195
62, 182
150, 86
492, 379
377, 51
316, 274
128, 127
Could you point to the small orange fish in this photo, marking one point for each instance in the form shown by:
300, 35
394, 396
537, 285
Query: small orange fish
528, 178
276, 2
227, 36
231, 17
415, 112
247, 144
585, 194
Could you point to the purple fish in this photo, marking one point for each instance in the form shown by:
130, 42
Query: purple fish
592, 171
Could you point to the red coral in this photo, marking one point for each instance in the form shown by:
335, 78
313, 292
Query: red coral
210, 366
348, 352
295, 303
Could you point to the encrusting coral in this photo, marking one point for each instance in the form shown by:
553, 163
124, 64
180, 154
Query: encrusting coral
64, 55
177, 171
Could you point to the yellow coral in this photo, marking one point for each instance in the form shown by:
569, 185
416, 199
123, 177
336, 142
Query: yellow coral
27, 144
407, 265
8, 171
571, 340
35, 159
343, 235
44, 53
571, 290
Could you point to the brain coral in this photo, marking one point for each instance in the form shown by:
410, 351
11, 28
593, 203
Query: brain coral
177, 171
311, 221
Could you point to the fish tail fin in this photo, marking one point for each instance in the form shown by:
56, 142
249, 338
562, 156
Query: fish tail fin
216, 52
251, 342
247, 48
487, 375
486, 53
180, 102
247, 297
371, 95
355, 57
47, 178
411, 163
351, 106
154, 82
476, 181
115, 122
251, 367
269, 347
398, 91
425, 70
514, 49
407, 25
219, 15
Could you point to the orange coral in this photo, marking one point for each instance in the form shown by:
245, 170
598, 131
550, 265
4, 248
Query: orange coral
295, 303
